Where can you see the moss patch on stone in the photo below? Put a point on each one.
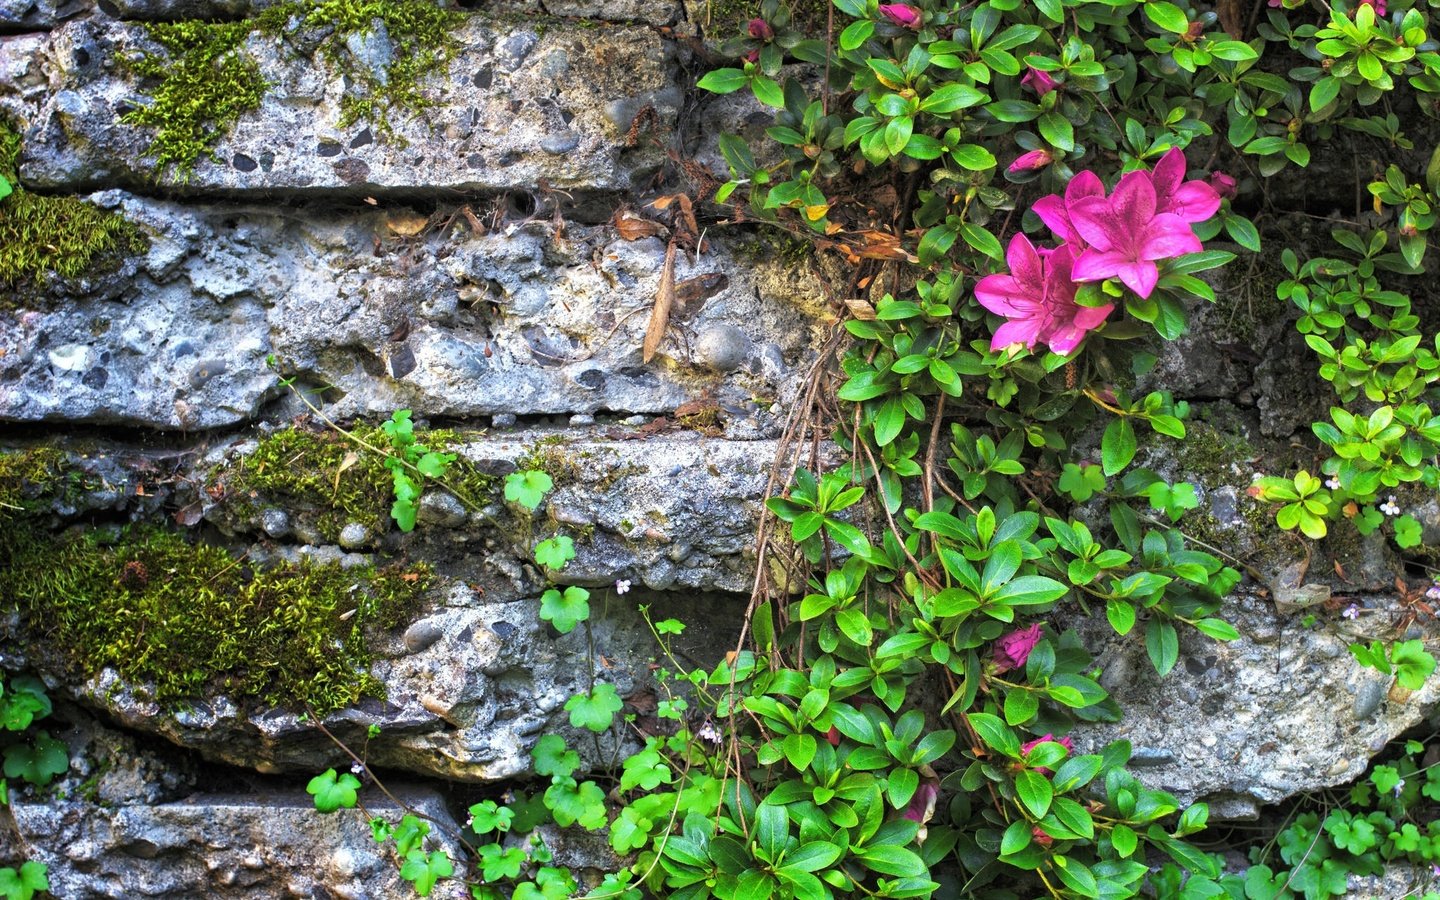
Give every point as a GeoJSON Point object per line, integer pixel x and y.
{"type": "Point", "coordinates": [193, 620]}
{"type": "Point", "coordinates": [206, 80]}
{"type": "Point", "coordinates": [63, 235]}
{"type": "Point", "coordinates": [324, 474]}
{"type": "Point", "coordinates": [28, 477]}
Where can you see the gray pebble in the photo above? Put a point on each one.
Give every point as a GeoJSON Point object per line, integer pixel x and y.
{"type": "Point", "coordinates": [441, 508]}
{"type": "Point", "coordinates": [422, 635]}
{"type": "Point", "coordinates": [722, 348]}
{"type": "Point", "coordinates": [354, 536]}
{"type": "Point", "coordinates": [275, 522]}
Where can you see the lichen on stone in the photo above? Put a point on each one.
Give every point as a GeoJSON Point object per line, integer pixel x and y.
{"type": "Point", "coordinates": [63, 235]}
{"type": "Point", "coordinates": [192, 620]}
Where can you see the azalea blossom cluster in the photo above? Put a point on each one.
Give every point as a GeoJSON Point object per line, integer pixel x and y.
{"type": "Point", "coordinates": [1145, 220]}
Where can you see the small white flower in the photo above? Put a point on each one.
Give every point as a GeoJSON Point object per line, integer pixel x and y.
{"type": "Point", "coordinates": [708, 732]}
{"type": "Point", "coordinates": [357, 769]}
{"type": "Point", "coordinates": [1389, 507]}
{"type": "Point", "coordinates": [1399, 786]}
{"type": "Point", "coordinates": [1351, 612]}
{"type": "Point", "coordinates": [1333, 484]}
{"type": "Point", "coordinates": [1434, 592]}
{"type": "Point", "coordinates": [622, 585]}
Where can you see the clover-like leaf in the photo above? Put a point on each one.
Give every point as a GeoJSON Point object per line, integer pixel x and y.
{"type": "Point", "coordinates": [424, 870]}
{"type": "Point", "coordinates": [38, 761]}
{"type": "Point", "coordinates": [333, 792]}
{"type": "Point", "coordinates": [528, 488]}
{"type": "Point", "coordinates": [565, 609]}
{"type": "Point", "coordinates": [24, 884]}
{"type": "Point", "coordinates": [555, 552]}
{"type": "Point", "coordinates": [553, 758]}
{"type": "Point", "coordinates": [595, 710]}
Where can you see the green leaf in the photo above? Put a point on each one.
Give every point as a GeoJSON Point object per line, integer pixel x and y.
{"type": "Point", "coordinates": [434, 465]}
{"type": "Point", "coordinates": [1218, 629]}
{"type": "Point", "coordinates": [723, 81]}
{"type": "Point", "coordinates": [1020, 706]}
{"type": "Point", "coordinates": [1035, 791]}
{"type": "Point", "coordinates": [1118, 445]}
{"type": "Point", "coordinates": [1121, 615]}
{"type": "Point", "coordinates": [1076, 772]}
{"type": "Point", "coordinates": [952, 97]}
{"type": "Point", "coordinates": [553, 553]}
{"type": "Point", "coordinates": [565, 610]}
{"type": "Point", "coordinates": [1123, 839]}
{"type": "Point", "coordinates": [423, 871]}
{"type": "Point", "coordinates": [527, 488]}
{"type": "Point", "coordinates": [889, 859]}
{"type": "Point", "coordinates": [551, 757]}
{"type": "Point", "coordinates": [331, 793]}
{"type": "Point", "coordinates": [767, 91]}
{"type": "Point", "coordinates": [24, 884]}
{"type": "Point", "coordinates": [1413, 664]}
{"type": "Point", "coordinates": [973, 157]}
{"type": "Point", "coordinates": [596, 710]}
{"type": "Point", "coordinates": [1163, 645]}
{"type": "Point", "coordinates": [1167, 16]}
{"type": "Point", "coordinates": [1030, 590]}
{"type": "Point", "coordinates": [5, 188]}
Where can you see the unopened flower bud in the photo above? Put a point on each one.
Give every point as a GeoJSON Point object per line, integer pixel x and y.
{"type": "Point", "coordinates": [1223, 184]}
{"type": "Point", "coordinates": [1039, 81]}
{"type": "Point", "coordinates": [1030, 162]}
{"type": "Point", "coordinates": [761, 30]}
{"type": "Point", "coordinates": [901, 14]}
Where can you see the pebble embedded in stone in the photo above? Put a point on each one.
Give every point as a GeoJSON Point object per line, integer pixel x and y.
{"type": "Point", "coordinates": [355, 536]}
{"type": "Point", "coordinates": [722, 348]}
{"type": "Point", "coordinates": [275, 522]}
{"type": "Point", "coordinates": [441, 508]}
{"type": "Point", "coordinates": [422, 635]}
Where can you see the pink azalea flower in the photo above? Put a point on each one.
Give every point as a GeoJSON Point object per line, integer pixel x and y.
{"type": "Point", "coordinates": [752, 57]}
{"type": "Point", "coordinates": [1040, 81]}
{"type": "Point", "coordinates": [922, 802]}
{"type": "Point", "coordinates": [1031, 745]}
{"type": "Point", "coordinates": [1013, 649]}
{"type": "Point", "coordinates": [1054, 210]}
{"type": "Point", "coordinates": [1193, 201]}
{"type": "Point", "coordinates": [1038, 299]}
{"type": "Point", "coordinates": [900, 14]}
{"type": "Point", "coordinates": [1379, 6]}
{"type": "Point", "coordinates": [761, 30]}
{"type": "Point", "coordinates": [1029, 162]}
{"type": "Point", "coordinates": [1126, 234]}
{"type": "Point", "coordinates": [1223, 184]}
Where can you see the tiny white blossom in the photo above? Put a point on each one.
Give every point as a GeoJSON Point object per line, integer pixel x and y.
{"type": "Point", "coordinates": [356, 768]}
{"type": "Point", "coordinates": [1351, 612]}
{"type": "Point", "coordinates": [622, 585]}
{"type": "Point", "coordinates": [1399, 786]}
{"type": "Point", "coordinates": [1434, 592]}
{"type": "Point", "coordinates": [708, 732]}
{"type": "Point", "coordinates": [1389, 507]}
{"type": "Point", "coordinates": [1333, 484]}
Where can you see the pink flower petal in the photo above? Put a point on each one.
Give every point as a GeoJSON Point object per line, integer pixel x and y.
{"type": "Point", "coordinates": [1167, 236]}
{"type": "Point", "coordinates": [1134, 198]}
{"type": "Point", "coordinates": [1193, 201]}
{"type": "Point", "coordinates": [1098, 265]}
{"type": "Point", "coordinates": [1053, 213]}
{"type": "Point", "coordinates": [1004, 295]}
{"type": "Point", "coordinates": [1017, 331]}
{"type": "Point", "coordinates": [1140, 277]}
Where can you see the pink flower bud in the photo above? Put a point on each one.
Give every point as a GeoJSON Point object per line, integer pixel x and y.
{"type": "Point", "coordinates": [901, 14]}
{"type": "Point", "coordinates": [1031, 745]}
{"type": "Point", "coordinates": [1039, 81]}
{"type": "Point", "coordinates": [1223, 184]}
{"type": "Point", "coordinates": [752, 57]}
{"type": "Point", "coordinates": [1013, 649]}
{"type": "Point", "coordinates": [761, 30]}
{"type": "Point", "coordinates": [1379, 6]}
{"type": "Point", "coordinates": [1032, 161]}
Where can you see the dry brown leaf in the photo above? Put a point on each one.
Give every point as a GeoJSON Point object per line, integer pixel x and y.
{"type": "Point", "coordinates": [664, 300]}
{"type": "Point", "coordinates": [633, 227]}
{"type": "Point", "coordinates": [406, 225]}
{"type": "Point", "coordinates": [861, 309]}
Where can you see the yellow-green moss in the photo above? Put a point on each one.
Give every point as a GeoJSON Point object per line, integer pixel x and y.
{"type": "Point", "coordinates": [207, 80]}
{"type": "Point", "coordinates": [27, 476]}
{"type": "Point", "coordinates": [194, 620]}
{"type": "Point", "coordinates": [64, 235]}
{"type": "Point", "coordinates": [324, 474]}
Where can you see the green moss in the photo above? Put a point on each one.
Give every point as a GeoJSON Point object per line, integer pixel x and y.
{"type": "Point", "coordinates": [194, 620]}
{"type": "Point", "coordinates": [326, 475]}
{"type": "Point", "coordinates": [64, 235]}
{"type": "Point", "coordinates": [207, 80]}
{"type": "Point", "coordinates": [318, 472]}
{"type": "Point", "coordinates": [206, 83]}
{"type": "Point", "coordinates": [549, 455]}
{"type": "Point", "coordinates": [28, 477]}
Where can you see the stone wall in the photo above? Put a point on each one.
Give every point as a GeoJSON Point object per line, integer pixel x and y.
{"type": "Point", "coordinates": [490, 263]}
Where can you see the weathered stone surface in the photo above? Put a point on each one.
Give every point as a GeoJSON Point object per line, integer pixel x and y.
{"type": "Point", "coordinates": [256, 844]}
{"type": "Point", "coordinates": [37, 14]}
{"type": "Point", "coordinates": [1283, 710]}
{"type": "Point", "coordinates": [528, 319]}
{"type": "Point", "coordinates": [515, 107]}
